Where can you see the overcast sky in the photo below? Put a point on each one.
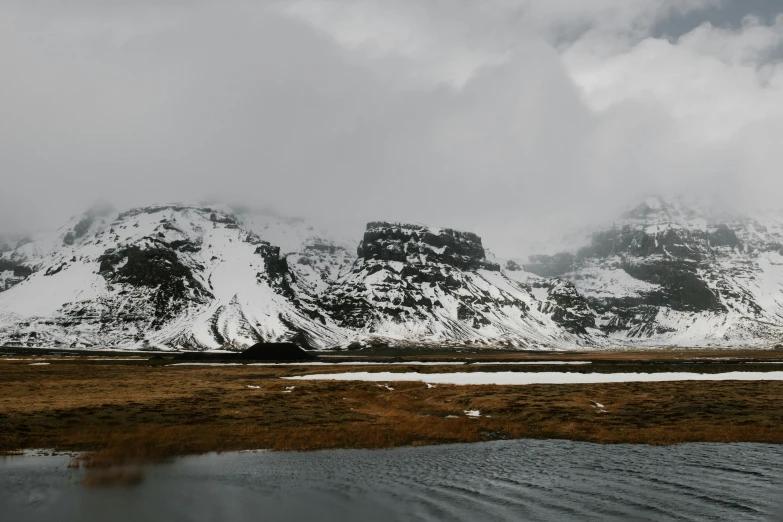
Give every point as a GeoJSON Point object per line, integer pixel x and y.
{"type": "Point", "coordinates": [510, 118]}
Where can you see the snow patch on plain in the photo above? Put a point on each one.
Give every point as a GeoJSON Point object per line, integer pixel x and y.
{"type": "Point", "coordinates": [517, 378]}
{"type": "Point", "coordinates": [524, 363]}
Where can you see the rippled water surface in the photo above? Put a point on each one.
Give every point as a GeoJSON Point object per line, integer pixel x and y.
{"type": "Point", "coordinates": [510, 480]}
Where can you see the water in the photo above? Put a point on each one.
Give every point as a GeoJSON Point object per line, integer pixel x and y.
{"type": "Point", "coordinates": [508, 480]}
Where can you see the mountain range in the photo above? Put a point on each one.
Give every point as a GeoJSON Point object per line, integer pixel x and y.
{"type": "Point", "coordinates": [665, 273]}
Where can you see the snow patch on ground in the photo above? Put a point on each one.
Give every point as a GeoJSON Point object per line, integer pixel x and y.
{"type": "Point", "coordinates": [524, 363]}
{"type": "Point", "coordinates": [517, 378]}
{"type": "Point", "coordinates": [363, 363]}
{"type": "Point", "coordinates": [205, 364]}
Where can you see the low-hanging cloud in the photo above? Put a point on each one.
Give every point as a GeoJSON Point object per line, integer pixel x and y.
{"type": "Point", "coordinates": [514, 119]}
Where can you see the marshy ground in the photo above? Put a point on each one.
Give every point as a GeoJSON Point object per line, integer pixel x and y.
{"type": "Point", "coordinates": [127, 409]}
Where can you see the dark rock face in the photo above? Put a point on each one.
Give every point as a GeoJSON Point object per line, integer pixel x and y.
{"type": "Point", "coordinates": [631, 316]}
{"type": "Point", "coordinates": [223, 218]}
{"type": "Point", "coordinates": [680, 243]}
{"type": "Point", "coordinates": [669, 259]}
{"type": "Point", "coordinates": [674, 254]}
{"type": "Point", "coordinates": [277, 273]}
{"type": "Point", "coordinates": [151, 267]}
{"type": "Point", "coordinates": [9, 264]}
{"type": "Point", "coordinates": [681, 287]}
{"type": "Point", "coordinates": [568, 307]}
{"type": "Point", "coordinates": [724, 236]}
{"type": "Point", "coordinates": [20, 272]}
{"type": "Point", "coordinates": [406, 272]}
{"type": "Point", "coordinates": [407, 243]}
{"type": "Point", "coordinates": [628, 240]}
{"type": "Point", "coordinates": [156, 268]}
{"type": "Point", "coordinates": [158, 208]}
{"type": "Point", "coordinates": [83, 226]}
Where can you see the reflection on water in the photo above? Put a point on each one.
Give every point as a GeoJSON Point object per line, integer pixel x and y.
{"type": "Point", "coordinates": [509, 480]}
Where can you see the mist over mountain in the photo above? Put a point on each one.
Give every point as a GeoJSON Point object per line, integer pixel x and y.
{"type": "Point", "coordinates": [516, 120]}
{"type": "Point", "coordinates": [200, 278]}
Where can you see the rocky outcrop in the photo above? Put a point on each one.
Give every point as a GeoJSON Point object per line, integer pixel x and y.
{"type": "Point", "coordinates": [567, 306]}
{"type": "Point", "coordinates": [418, 244]}
{"type": "Point", "coordinates": [170, 283]}
{"type": "Point", "coordinates": [428, 285]}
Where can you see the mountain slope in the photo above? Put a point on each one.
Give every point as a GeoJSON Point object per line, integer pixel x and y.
{"type": "Point", "coordinates": [668, 272]}
{"type": "Point", "coordinates": [172, 276]}
{"type": "Point", "coordinates": [187, 277]}
{"type": "Point", "coordinates": [424, 284]}
{"type": "Point", "coordinates": [206, 278]}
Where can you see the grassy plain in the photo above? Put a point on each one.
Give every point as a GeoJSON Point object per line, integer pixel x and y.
{"type": "Point", "coordinates": [124, 411]}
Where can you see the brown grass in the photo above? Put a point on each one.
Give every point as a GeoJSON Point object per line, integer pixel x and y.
{"type": "Point", "coordinates": [129, 414]}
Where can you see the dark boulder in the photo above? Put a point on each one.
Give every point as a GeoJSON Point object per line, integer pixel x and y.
{"type": "Point", "coordinates": [257, 352]}
{"type": "Point", "coordinates": [275, 352]}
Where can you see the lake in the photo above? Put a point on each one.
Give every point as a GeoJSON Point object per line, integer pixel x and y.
{"type": "Point", "coordinates": [504, 480]}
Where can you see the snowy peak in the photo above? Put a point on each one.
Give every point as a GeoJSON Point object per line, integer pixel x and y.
{"type": "Point", "coordinates": [174, 276]}
{"type": "Point", "coordinates": [681, 273]}
{"type": "Point", "coordinates": [677, 211]}
{"type": "Point", "coordinates": [89, 222]}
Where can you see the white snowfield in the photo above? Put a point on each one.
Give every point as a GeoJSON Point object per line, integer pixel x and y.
{"type": "Point", "coordinates": [531, 363]}
{"type": "Point", "coordinates": [369, 363]}
{"type": "Point", "coordinates": [520, 378]}
{"type": "Point", "coordinates": [358, 363]}
{"type": "Point", "coordinates": [363, 363]}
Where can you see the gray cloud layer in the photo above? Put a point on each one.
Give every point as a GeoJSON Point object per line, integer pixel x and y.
{"type": "Point", "coordinates": [509, 118]}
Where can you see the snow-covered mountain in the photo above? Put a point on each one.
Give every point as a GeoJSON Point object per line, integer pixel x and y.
{"type": "Point", "coordinates": [207, 278]}
{"type": "Point", "coordinates": [425, 284]}
{"type": "Point", "coordinates": [171, 276]}
{"type": "Point", "coordinates": [676, 273]}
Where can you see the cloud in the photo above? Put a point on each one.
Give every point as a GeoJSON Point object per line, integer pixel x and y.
{"type": "Point", "coordinates": [700, 109]}
{"type": "Point", "coordinates": [514, 119]}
